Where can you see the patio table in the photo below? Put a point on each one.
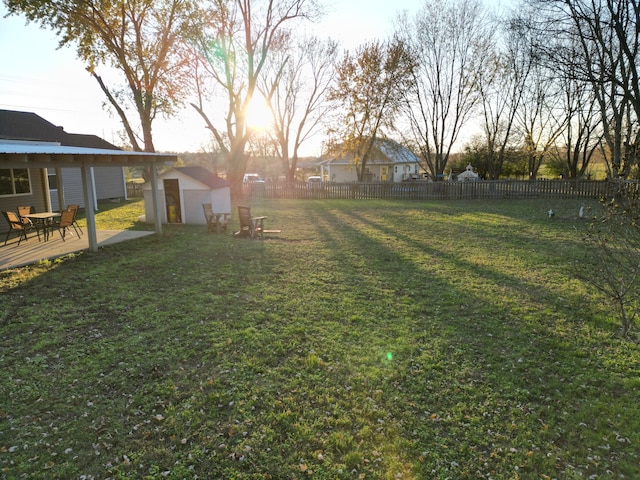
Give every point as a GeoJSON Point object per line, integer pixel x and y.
{"type": "Point", "coordinates": [43, 220]}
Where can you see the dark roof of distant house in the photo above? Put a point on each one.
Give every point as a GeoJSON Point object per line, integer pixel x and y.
{"type": "Point", "coordinates": [27, 126]}
{"type": "Point", "coordinates": [383, 150]}
{"type": "Point", "coordinates": [204, 176]}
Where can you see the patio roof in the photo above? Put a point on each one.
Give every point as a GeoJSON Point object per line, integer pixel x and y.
{"type": "Point", "coordinates": [18, 154]}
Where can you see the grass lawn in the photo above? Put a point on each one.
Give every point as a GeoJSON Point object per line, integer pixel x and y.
{"type": "Point", "coordinates": [368, 340]}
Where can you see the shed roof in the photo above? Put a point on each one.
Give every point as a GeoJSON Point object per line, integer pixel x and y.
{"type": "Point", "coordinates": [204, 176]}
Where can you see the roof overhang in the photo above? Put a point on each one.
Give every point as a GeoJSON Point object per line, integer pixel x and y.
{"type": "Point", "coordinates": [51, 155]}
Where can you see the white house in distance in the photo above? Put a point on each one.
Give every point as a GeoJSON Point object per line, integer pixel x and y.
{"type": "Point", "coordinates": [183, 190]}
{"type": "Point", "coordinates": [389, 162]}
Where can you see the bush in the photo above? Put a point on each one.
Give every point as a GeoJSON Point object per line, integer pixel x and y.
{"type": "Point", "coordinates": [612, 264]}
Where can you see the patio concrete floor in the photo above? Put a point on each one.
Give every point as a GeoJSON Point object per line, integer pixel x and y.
{"type": "Point", "coordinates": [31, 251]}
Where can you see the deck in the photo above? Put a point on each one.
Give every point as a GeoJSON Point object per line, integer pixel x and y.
{"type": "Point", "coordinates": [31, 251]}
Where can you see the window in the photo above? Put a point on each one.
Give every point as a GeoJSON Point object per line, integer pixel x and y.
{"type": "Point", "coordinates": [53, 184]}
{"type": "Point", "coordinates": [14, 181]}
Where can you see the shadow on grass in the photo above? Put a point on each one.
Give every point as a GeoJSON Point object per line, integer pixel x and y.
{"type": "Point", "coordinates": [370, 338]}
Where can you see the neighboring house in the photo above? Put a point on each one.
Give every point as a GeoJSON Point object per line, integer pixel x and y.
{"type": "Point", "coordinates": [183, 190]}
{"type": "Point", "coordinates": [109, 182]}
{"type": "Point", "coordinates": [388, 162]}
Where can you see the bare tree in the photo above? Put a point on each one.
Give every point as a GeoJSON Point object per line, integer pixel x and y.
{"type": "Point", "coordinates": [598, 42]}
{"type": "Point", "coordinates": [138, 38]}
{"type": "Point", "coordinates": [235, 46]}
{"type": "Point", "coordinates": [263, 155]}
{"type": "Point", "coordinates": [451, 40]}
{"type": "Point", "coordinates": [541, 118]}
{"type": "Point", "coordinates": [582, 135]}
{"type": "Point", "coordinates": [297, 88]}
{"type": "Point", "coordinates": [370, 85]}
{"type": "Point", "coordinates": [501, 86]}
{"type": "Point", "coordinates": [611, 263]}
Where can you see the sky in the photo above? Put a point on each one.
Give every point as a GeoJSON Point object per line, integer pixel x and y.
{"type": "Point", "coordinates": [37, 76]}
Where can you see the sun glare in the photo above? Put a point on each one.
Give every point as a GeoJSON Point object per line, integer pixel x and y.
{"type": "Point", "coordinates": [258, 113]}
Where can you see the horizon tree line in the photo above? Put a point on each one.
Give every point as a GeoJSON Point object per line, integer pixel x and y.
{"type": "Point", "coordinates": [554, 80]}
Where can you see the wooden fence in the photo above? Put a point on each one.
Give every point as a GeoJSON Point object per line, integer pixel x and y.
{"type": "Point", "coordinates": [498, 189]}
{"type": "Point", "coordinates": [135, 190]}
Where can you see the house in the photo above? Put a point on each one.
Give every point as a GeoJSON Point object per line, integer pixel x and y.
{"type": "Point", "coordinates": [183, 190]}
{"type": "Point", "coordinates": [18, 126]}
{"type": "Point", "coordinates": [388, 162]}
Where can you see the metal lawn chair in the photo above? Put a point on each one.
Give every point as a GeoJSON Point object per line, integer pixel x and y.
{"type": "Point", "coordinates": [16, 225]}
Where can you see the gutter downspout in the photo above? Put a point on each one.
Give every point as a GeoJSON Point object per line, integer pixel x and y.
{"type": "Point", "coordinates": [93, 187]}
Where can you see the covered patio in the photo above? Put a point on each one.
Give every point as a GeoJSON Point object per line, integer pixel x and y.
{"type": "Point", "coordinates": [39, 155]}
{"type": "Point", "coordinates": [32, 250]}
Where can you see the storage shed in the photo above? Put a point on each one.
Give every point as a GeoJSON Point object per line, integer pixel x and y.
{"type": "Point", "coordinates": [183, 190]}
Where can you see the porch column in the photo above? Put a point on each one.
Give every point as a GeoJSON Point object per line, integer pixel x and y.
{"type": "Point", "coordinates": [89, 199]}
{"type": "Point", "coordinates": [155, 194]}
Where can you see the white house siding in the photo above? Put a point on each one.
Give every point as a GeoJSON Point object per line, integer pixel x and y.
{"type": "Point", "coordinates": [337, 172]}
{"type": "Point", "coordinates": [73, 193]}
{"type": "Point", "coordinates": [342, 172]}
{"type": "Point", "coordinates": [391, 162]}
{"type": "Point", "coordinates": [404, 171]}
{"type": "Point", "coordinates": [109, 182]}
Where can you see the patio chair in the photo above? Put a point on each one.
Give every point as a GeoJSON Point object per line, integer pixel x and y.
{"type": "Point", "coordinates": [215, 221]}
{"type": "Point", "coordinates": [251, 226]}
{"type": "Point", "coordinates": [75, 225]}
{"type": "Point", "coordinates": [26, 210]}
{"type": "Point", "coordinates": [16, 225]}
{"type": "Point", "coordinates": [64, 223]}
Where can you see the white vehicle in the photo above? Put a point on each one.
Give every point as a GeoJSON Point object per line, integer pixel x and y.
{"type": "Point", "coordinates": [252, 178]}
{"type": "Point", "coordinates": [314, 179]}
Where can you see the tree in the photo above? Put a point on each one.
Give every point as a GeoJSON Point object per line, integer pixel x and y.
{"type": "Point", "coordinates": [297, 90]}
{"type": "Point", "coordinates": [234, 48]}
{"type": "Point", "coordinates": [581, 137]}
{"type": "Point", "coordinates": [139, 38]}
{"type": "Point", "coordinates": [540, 118]}
{"type": "Point", "coordinates": [451, 41]}
{"type": "Point", "coordinates": [501, 86]}
{"type": "Point", "coordinates": [370, 86]}
{"type": "Point", "coordinates": [598, 42]}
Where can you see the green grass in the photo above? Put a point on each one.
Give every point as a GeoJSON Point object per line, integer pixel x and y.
{"type": "Point", "coordinates": [371, 339]}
